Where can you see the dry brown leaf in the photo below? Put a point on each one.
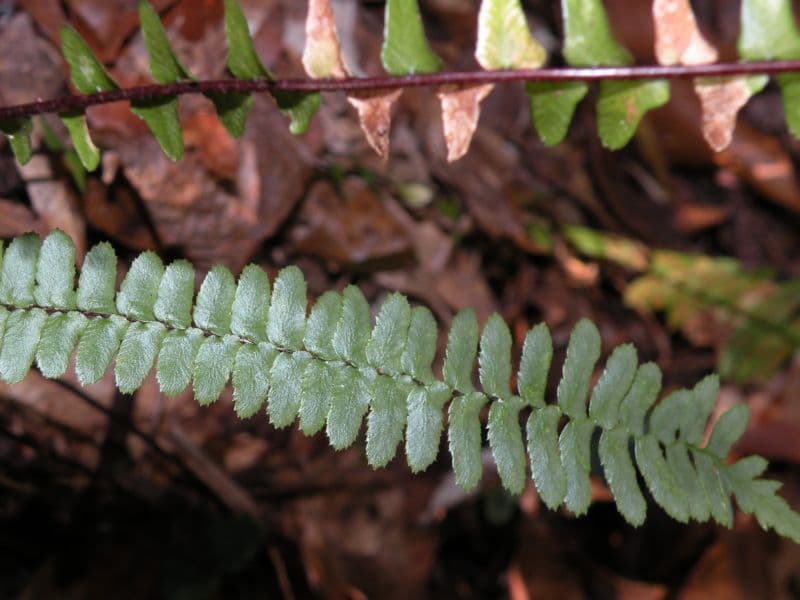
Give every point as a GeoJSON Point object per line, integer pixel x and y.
{"type": "Point", "coordinates": [375, 114]}
{"type": "Point", "coordinates": [461, 109]}
{"type": "Point", "coordinates": [721, 100]}
{"type": "Point", "coordinates": [678, 40]}
{"type": "Point", "coordinates": [322, 55]}
{"type": "Point", "coordinates": [322, 58]}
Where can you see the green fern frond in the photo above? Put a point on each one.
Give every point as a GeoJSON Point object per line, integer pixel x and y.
{"type": "Point", "coordinates": [331, 368]}
{"type": "Point", "coordinates": [767, 32]}
{"type": "Point", "coordinates": [761, 312]}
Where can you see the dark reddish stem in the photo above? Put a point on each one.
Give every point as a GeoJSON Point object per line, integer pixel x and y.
{"type": "Point", "coordinates": [80, 102]}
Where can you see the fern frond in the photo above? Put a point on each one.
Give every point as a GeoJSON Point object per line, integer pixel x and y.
{"type": "Point", "coordinates": [331, 368]}
{"type": "Point", "coordinates": [767, 33]}
{"type": "Point", "coordinates": [761, 312]}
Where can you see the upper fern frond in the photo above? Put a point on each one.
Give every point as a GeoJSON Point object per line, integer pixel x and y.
{"type": "Point", "coordinates": [504, 42]}
{"type": "Point", "coordinates": [331, 368]}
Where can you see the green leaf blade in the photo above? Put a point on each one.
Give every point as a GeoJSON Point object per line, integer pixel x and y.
{"type": "Point", "coordinates": [553, 106]}
{"type": "Point", "coordinates": [20, 339]}
{"type": "Point", "coordinates": [18, 274]}
{"type": "Point", "coordinates": [494, 359]}
{"type": "Point", "coordinates": [213, 308]}
{"type": "Point", "coordinates": [213, 364]}
{"type": "Point", "coordinates": [504, 40]}
{"type": "Point", "coordinates": [614, 383]}
{"type": "Point", "coordinates": [353, 329]}
{"type": "Point", "coordinates": [75, 122]}
{"type": "Point", "coordinates": [405, 50]}
{"type": "Point", "coordinates": [659, 478]}
{"type": "Point", "coordinates": [97, 281]}
{"type": "Point", "coordinates": [621, 475]}
{"type": "Point", "coordinates": [287, 312]}
{"type": "Point", "coordinates": [59, 336]}
{"type": "Point", "coordinates": [727, 431]}
{"type": "Point", "coordinates": [464, 439]}
{"type": "Point", "coordinates": [420, 347]}
{"type": "Point", "coordinates": [139, 290]}
{"type": "Point", "coordinates": [98, 345]}
{"type": "Point", "coordinates": [232, 110]}
{"type": "Point", "coordinates": [425, 425]}
{"type": "Point", "coordinates": [300, 107]}
{"type": "Point", "coordinates": [250, 308]}
{"type": "Point", "coordinates": [243, 60]}
{"type": "Point", "coordinates": [55, 272]}
{"type": "Point", "coordinates": [588, 40]}
{"type": "Point", "coordinates": [505, 440]}
{"type": "Point", "coordinates": [161, 117]}
{"type": "Point", "coordinates": [164, 65]}
{"type": "Point", "coordinates": [176, 360]}
{"type": "Point", "coordinates": [582, 354]}
{"type": "Point", "coordinates": [537, 355]}
{"type": "Point", "coordinates": [349, 403]}
{"type": "Point", "coordinates": [87, 73]}
{"type": "Point", "coordinates": [621, 106]}
{"type": "Point", "coordinates": [386, 420]}
{"type": "Point", "coordinates": [173, 304]}
{"type": "Point", "coordinates": [546, 468]}
{"type": "Point", "coordinates": [388, 340]}
{"type": "Point", "coordinates": [137, 352]}
{"type": "Point", "coordinates": [315, 403]}
{"type": "Point", "coordinates": [641, 396]}
{"type": "Point", "coordinates": [575, 446]}
{"type": "Point", "coordinates": [286, 389]}
{"type": "Point", "coordinates": [18, 132]}
{"type": "Point", "coordinates": [462, 347]}
{"type": "Point", "coordinates": [251, 369]}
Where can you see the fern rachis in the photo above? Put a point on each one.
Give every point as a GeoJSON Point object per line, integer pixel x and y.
{"type": "Point", "coordinates": [331, 368]}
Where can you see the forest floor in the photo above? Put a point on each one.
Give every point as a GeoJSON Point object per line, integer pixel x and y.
{"type": "Point", "coordinates": [104, 495]}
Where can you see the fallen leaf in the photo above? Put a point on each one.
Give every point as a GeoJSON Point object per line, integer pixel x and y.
{"type": "Point", "coordinates": [461, 109]}
{"type": "Point", "coordinates": [16, 219]}
{"type": "Point", "coordinates": [55, 206]}
{"type": "Point", "coordinates": [348, 229]}
{"type": "Point", "coordinates": [678, 40]}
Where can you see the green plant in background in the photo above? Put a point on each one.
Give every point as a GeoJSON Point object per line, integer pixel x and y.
{"type": "Point", "coordinates": [768, 32]}
{"type": "Point", "coordinates": [332, 367]}
{"type": "Point", "coordinates": [761, 314]}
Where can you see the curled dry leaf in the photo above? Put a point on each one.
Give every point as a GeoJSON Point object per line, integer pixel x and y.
{"type": "Point", "coordinates": [721, 100]}
{"type": "Point", "coordinates": [461, 108]}
{"type": "Point", "coordinates": [375, 115]}
{"type": "Point", "coordinates": [679, 41]}
{"type": "Point", "coordinates": [322, 55]}
{"type": "Point", "coordinates": [322, 58]}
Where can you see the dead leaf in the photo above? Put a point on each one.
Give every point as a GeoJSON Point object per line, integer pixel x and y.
{"type": "Point", "coordinates": [721, 100]}
{"type": "Point", "coordinates": [16, 219]}
{"type": "Point", "coordinates": [461, 109]}
{"type": "Point", "coordinates": [50, 198]}
{"type": "Point", "coordinates": [348, 229]}
{"type": "Point", "coordinates": [322, 58]}
{"type": "Point", "coordinates": [678, 40]}
{"type": "Point", "coordinates": [375, 114]}
{"type": "Point", "coordinates": [761, 161]}
{"type": "Point", "coordinates": [30, 67]}
{"type": "Point", "coordinates": [322, 55]}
